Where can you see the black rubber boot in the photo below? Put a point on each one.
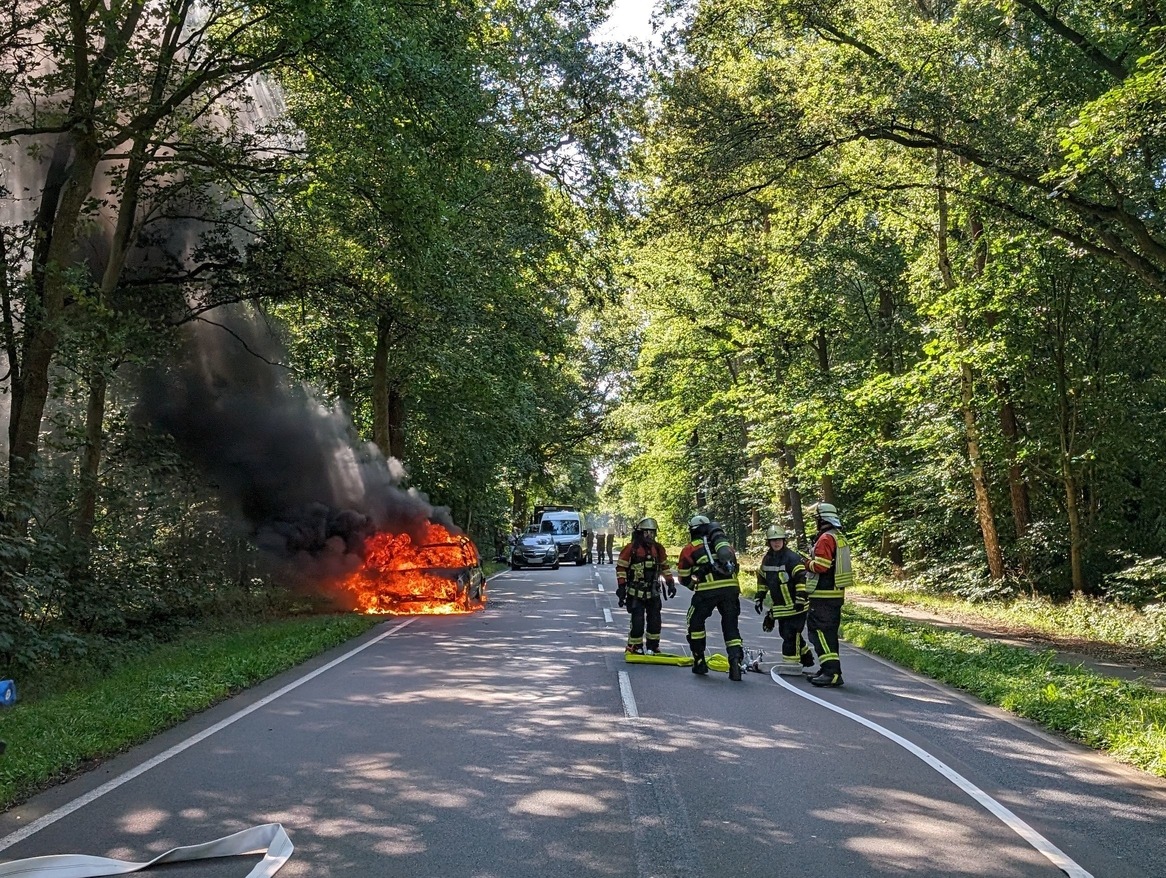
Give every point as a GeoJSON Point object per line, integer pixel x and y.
{"type": "Point", "coordinates": [735, 669]}
{"type": "Point", "coordinates": [825, 678]}
{"type": "Point", "coordinates": [699, 665]}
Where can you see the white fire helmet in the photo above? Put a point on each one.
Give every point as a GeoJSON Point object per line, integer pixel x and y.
{"type": "Point", "coordinates": [828, 513]}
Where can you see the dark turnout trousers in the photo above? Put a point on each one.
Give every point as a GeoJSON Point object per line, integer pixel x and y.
{"type": "Point", "coordinates": [727, 602]}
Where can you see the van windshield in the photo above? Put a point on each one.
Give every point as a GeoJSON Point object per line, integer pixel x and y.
{"type": "Point", "coordinates": [561, 526]}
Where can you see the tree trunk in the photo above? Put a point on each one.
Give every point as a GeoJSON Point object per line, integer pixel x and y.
{"type": "Point", "coordinates": [1076, 533]}
{"type": "Point", "coordinates": [98, 382]}
{"type": "Point", "coordinates": [1017, 484]}
{"type": "Point", "coordinates": [57, 222]}
{"type": "Point", "coordinates": [396, 423]}
{"type": "Point", "coordinates": [979, 482]}
{"type": "Point", "coordinates": [888, 547]}
{"type": "Point", "coordinates": [518, 509]}
{"type": "Point", "coordinates": [91, 458]}
{"type": "Point", "coordinates": [984, 512]}
{"type": "Point", "coordinates": [1067, 412]}
{"type": "Point", "coordinates": [793, 493]}
{"type": "Point", "coordinates": [9, 321]}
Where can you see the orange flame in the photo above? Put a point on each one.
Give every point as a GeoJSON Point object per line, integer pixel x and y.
{"type": "Point", "coordinates": [441, 575]}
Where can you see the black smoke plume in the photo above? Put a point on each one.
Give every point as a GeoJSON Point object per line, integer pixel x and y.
{"type": "Point", "coordinates": [290, 465]}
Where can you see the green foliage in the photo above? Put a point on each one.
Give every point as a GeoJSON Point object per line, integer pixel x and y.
{"type": "Point", "coordinates": [420, 196]}
{"type": "Point", "coordinates": [95, 709]}
{"type": "Point", "coordinates": [937, 304]}
{"type": "Point", "coordinates": [1127, 720]}
{"type": "Point", "coordinates": [1103, 623]}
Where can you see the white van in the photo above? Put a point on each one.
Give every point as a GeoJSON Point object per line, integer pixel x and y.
{"type": "Point", "coordinates": [565, 526]}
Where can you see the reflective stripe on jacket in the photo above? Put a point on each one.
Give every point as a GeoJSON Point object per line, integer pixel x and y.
{"type": "Point", "coordinates": [695, 569]}
{"type": "Point", "coordinates": [782, 577]}
{"type": "Point", "coordinates": [639, 568]}
{"type": "Point", "coordinates": [830, 560]}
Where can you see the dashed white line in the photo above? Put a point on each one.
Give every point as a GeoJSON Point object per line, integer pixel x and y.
{"type": "Point", "coordinates": [600, 586]}
{"type": "Point", "coordinates": [109, 786]}
{"type": "Point", "coordinates": [607, 615]}
{"type": "Point", "coordinates": [625, 692]}
{"type": "Point", "coordinates": [1046, 848]}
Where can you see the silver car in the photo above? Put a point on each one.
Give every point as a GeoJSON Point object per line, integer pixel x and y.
{"type": "Point", "coordinates": [534, 550]}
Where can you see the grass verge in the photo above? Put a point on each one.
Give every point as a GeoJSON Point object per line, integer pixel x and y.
{"type": "Point", "coordinates": [1138, 629]}
{"type": "Point", "coordinates": [62, 732]}
{"type": "Point", "coordinates": [1126, 720]}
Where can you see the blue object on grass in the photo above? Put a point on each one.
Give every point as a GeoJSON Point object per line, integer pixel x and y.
{"type": "Point", "coordinates": [7, 692]}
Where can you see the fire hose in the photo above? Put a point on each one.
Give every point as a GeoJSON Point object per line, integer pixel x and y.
{"type": "Point", "coordinates": [269, 839]}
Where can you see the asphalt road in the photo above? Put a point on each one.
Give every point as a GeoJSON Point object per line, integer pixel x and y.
{"type": "Point", "coordinates": [503, 745]}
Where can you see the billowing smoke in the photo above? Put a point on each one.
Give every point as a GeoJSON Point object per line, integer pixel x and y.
{"type": "Point", "coordinates": [289, 464]}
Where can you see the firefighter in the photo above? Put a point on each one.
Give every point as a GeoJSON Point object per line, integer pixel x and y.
{"type": "Point", "coordinates": [609, 544]}
{"type": "Point", "coordinates": [589, 535]}
{"type": "Point", "coordinates": [642, 564]}
{"type": "Point", "coordinates": [829, 574]}
{"type": "Point", "coordinates": [599, 545]}
{"type": "Point", "coordinates": [708, 566]}
{"type": "Point", "coordinates": [781, 595]}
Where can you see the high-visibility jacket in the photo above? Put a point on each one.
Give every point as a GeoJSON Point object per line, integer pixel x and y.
{"type": "Point", "coordinates": [695, 567]}
{"type": "Point", "coordinates": [829, 562]}
{"type": "Point", "coordinates": [639, 568]}
{"type": "Point", "coordinates": [782, 579]}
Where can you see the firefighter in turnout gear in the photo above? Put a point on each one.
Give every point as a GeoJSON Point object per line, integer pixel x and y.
{"type": "Point", "coordinates": [642, 564]}
{"type": "Point", "coordinates": [781, 595]}
{"type": "Point", "coordinates": [830, 573]}
{"type": "Point", "coordinates": [708, 566]}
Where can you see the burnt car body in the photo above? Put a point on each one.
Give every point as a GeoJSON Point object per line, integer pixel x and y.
{"type": "Point", "coordinates": [441, 575]}
{"type": "Point", "coordinates": [534, 550]}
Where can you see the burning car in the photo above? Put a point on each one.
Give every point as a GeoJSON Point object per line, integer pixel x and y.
{"type": "Point", "coordinates": [440, 573]}
{"type": "Point", "coordinates": [534, 550]}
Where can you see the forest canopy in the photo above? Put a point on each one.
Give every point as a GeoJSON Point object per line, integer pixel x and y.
{"type": "Point", "coordinates": [271, 265]}
{"type": "Point", "coordinates": [450, 260]}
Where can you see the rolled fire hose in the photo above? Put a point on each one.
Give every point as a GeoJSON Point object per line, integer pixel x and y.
{"type": "Point", "coordinates": [269, 839]}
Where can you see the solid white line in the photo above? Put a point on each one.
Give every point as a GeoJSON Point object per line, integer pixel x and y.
{"type": "Point", "coordinates": [1050, 851]}
{"type": "Point", "coordinates": [607, 615]}
{"type": "Point", "coordinates": [109, 786]}
{"type": "Point", "coordinates": [625, 692]}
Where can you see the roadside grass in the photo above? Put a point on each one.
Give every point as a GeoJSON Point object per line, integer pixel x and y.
{"type": "Point", "coordinates": [489, 568]}
{"type": "Point", "coordinates": [1090, 619]}
{"type": "Point", "coordinates": [64, 728]}
{"type": "Point", "coordinates": [1126, 720]}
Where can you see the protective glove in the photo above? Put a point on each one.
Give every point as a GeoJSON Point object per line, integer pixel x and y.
{"type": "Point", "coordinates": [671, 592]}
{"type": "Point", "coordinates": [621, 593]}
{"type": "Point", "coordinates": [759, 602]}
{"type": "Point", "coordinates": [767, 623]}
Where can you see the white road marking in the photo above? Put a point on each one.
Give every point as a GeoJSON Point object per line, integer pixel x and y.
{"type": "Point", "coordinates": [607, 615]}
{"type": "Point", "coordinates": [109, 786]}
{"type": "Point", "coordinates": [625, 692]}
{"type": "Point", "coordinates": [600, 586]}
{"type": "Point", "coordinates": [1046, 848]}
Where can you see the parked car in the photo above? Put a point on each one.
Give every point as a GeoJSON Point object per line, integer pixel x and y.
{"type": "Point", "coordinates": [534, 550]}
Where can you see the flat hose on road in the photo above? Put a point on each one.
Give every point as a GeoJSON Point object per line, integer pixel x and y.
{"type": "Point", "coordinates": [269, 839]}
